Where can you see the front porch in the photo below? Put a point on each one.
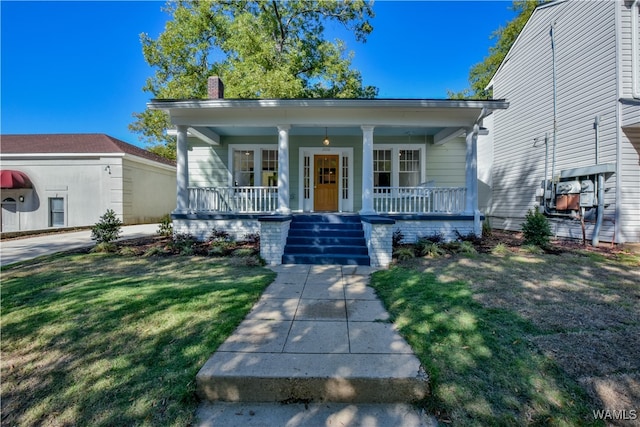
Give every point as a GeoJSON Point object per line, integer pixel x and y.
{"type": "Point", "coordinates": [246, 166]}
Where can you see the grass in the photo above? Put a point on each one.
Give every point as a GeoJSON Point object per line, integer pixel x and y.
{"type": "Point", "coordinates": [520, 339]}
{"type": "Point", "coordinates": [99, 339]}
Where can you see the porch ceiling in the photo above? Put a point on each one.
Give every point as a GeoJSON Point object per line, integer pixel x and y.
{"type": "Point", "coordinates": [320, 131]}
{"type": "Point", "coordinates": [390, 117]}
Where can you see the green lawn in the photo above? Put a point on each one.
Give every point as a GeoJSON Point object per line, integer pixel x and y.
{"type": "Point", "coordinates": [99, 340]}
{"type": "Point", "coordinates": [520, 339]}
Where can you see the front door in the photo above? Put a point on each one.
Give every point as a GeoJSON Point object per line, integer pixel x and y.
{"type": "Point", "coordinates": [325, 183]}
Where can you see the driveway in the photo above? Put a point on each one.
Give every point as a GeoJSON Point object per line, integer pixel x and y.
{"type": "Point", "coordinates": [31, 247]}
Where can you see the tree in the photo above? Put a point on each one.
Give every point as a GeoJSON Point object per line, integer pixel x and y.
{"type": "Point", "coordinates": [260, 49]}
{"type": "Point", "coordinates": [481, 73]}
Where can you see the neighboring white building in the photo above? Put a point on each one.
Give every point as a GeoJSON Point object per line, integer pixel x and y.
{"type": "Point", "coordinates": [70, 180]}
{"type": "Point", "coordinates": [572, 79]}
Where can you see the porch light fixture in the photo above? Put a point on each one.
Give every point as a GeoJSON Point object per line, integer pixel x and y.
{"type": "Point", "coordinates": [326, 141]}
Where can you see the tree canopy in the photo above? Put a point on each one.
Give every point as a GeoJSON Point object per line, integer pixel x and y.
{"type": "Point", "coordinates": [481, 73]}
{"type": "Point", "coordinates": [259, 48]}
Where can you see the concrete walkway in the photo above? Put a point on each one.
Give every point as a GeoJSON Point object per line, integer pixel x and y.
{"type": "Point", "coordinates": [320, 340]}
{"type": "Point", "coordinates": [22, 249]}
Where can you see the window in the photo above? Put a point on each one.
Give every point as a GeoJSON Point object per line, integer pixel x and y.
{"type": "Point", "coordinates": [270, 168]}
{"type": "Point", "coordinates": [307, 177]}
{"type": "Point", "coordinates": [243, 175]}
{"type": "Point", "coordinates": [382, 168]}
{"type": "Point", "coordinates": [409, 170]}
{"type": "Point", "coordinates": [345, 177]}
{"type": "Point", "coordinates": [56, 212]}
{"type": "Point", "coordinates": [398, 165]}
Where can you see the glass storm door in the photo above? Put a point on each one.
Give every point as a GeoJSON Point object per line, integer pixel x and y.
{"type": "Point", "coordinates": [325, 183]}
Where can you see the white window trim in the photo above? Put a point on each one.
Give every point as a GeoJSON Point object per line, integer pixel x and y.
{"type": "Point", "coordinates": [257, 160]}
{"type": "Point", "coordinates": [395, 160]}
{"type": "Point", "coordinates": [344, 205]}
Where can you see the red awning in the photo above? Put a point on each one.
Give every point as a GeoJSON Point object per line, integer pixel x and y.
{"type": "Point", "coordinates": [14, 179]}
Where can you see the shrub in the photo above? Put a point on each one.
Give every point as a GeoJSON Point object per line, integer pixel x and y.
{"type": "Point", "coordinates": [500, 249]}
{"type": "Point", "coordinates": [107, 229]}
{"type": "Point", "coordinates": [432, 250]}
{"type": "Point", "coordinates": [486, 227]}
{"type": "Point", "coordinates": [403, 254]}
{"type": "Point", "coordinates": [536, 229]}
{"type": "Point", "coordinates": [397, 238]}
{"type": "Point", "coordinates": [104, 247]}
{"type": "Point", "coordinates": [153, 251]}
{"type": "Point", "coordinates": [253, 238]}
{"type": "Point", "coordinates": [165, 228]}
{"type": "Point", "coordinates": [466, 247]}
{"type": "Point", "coordinates": [219, 236]}
{"type": "Point", "coordinates": [532, 249]}
{"type": "Point", "coordinates": [430, 246]}
{"type": "Point", "coordinates": [242, 252]}
{"type": "Point", "coordinates": [183, 243]}
{"type": "Point", "coordinates": [127, 251]}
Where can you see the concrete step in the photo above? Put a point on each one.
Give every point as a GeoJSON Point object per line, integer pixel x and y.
{"type": "Point", "coordinates": [325, 226]}
{"type": "Point", "coordinates": [296, 232]}
{"type": "Point", "coordinates": [333, 259]}
{"type": "Point", "coordinates": [278, 377]}
{"type": "Point", "coordinates": [329, 241]}
{"type": "Point", "coordinates": [325, 249]}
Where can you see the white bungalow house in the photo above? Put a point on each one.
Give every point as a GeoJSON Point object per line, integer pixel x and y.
{"type": "Point", "coordinates": [263, 166]}
{"type": "Point", "coordinates": [70, 180]}
{"type": "Point", "coordinates": [570, 141]}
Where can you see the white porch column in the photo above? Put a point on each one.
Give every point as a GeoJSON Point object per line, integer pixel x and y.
{"type": "Point", "coordinates": [283, 169]}
{"type": "Point", "coordinates": [182, 170]}
{"type": "Point", "coordinates": [471, 177]}
{"type": "Point", "coordinates": [367, 171]}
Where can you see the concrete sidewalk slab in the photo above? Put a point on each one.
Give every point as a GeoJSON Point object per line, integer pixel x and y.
{"type": "Point", "coordinates": [305, 340]}
{"type": "Point", "coordinates": [312, 415]}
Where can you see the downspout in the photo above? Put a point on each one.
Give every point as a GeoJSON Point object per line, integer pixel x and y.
{"type": "Point", "coordinates": [546, 170]}
{"type": "Point", "coordinates": [635, 60]}
{"type": "Point", "coordinates": [595, 239]}
{"type": "Point", "coordinates": [555, 115]}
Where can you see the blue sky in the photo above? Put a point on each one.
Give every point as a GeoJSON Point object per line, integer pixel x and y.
{"type": "Point", "coordinates": [76, 67]}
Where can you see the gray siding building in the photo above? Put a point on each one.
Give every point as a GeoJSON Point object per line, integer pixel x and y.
{"type": "Point", "coordinates": [570, 141]}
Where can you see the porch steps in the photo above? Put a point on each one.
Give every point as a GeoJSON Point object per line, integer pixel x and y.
{"type": "Point", "coordinates": [326, 239]}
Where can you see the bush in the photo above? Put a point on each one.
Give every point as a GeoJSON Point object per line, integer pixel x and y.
{"type": "Point", "coordinates": [403, 254]}
{"type": "Point", "coordinates": [219, 236]}
{"type": "Point", "coordinates": [183, 243]}
{"type": "Point", "coordinates": [128, 251]}
{"type": "Point", "coordinates": [397, 238]}
{"type": "Point", "coordinates": [430, 249]}
{"type": "Point", "coordinates": [253, 238]}
{"type": "Point", "coordinates": [536, 229]}
{"type": "Point", "coordinates": [107, 229]}
{"type": "Point", "coordinates": [500, 249]}
{"type": "Point", "coordinates": [104, 247]}
{"type": "Point", "coordinates": [165, 228]}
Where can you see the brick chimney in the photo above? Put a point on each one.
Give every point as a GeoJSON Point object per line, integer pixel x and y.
{"type": "Point", "coordinates": [215, 87]}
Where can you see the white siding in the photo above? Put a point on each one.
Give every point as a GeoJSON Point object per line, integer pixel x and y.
{"type": "Point", "coordinates": [630, 192]}
{"type": "Point", "coordinates": [585, 51]}
{"type": "Point", "coordinates": [149, 191]}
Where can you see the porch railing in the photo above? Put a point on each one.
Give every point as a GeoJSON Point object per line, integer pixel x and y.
{"type": "Point", "coordinates": [419, 199]}
{"type": "Point", "coordinates": [385, 199]}
{"type": "Point", "coordinates": [233, 199]}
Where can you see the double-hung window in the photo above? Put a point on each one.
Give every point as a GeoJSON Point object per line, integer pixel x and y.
{"type": "Point", "coordinates": [398, 167]}
{"type": "Point", "coordinates": [254, 166]}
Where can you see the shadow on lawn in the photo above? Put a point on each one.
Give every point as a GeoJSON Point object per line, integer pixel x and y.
{"type": "Point", "coordinates": [493, 333]}
{"type": "Point", "coordinates": [103, 340]}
